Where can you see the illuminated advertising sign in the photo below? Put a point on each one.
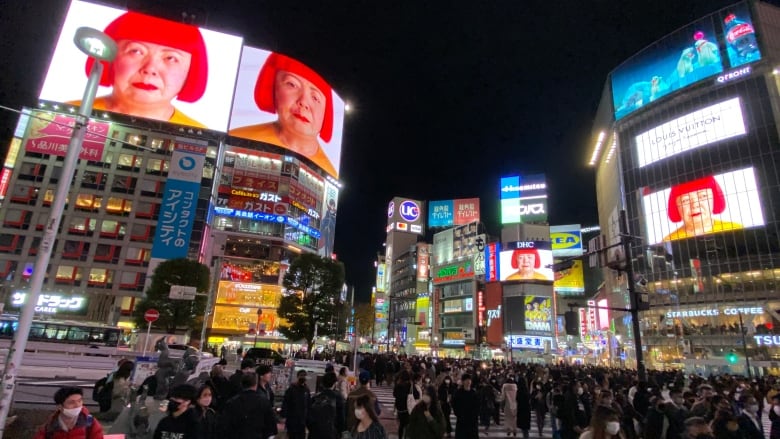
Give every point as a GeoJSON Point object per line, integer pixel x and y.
{"type": "Point", "coordinates": [702, 127]}
{"type": "Point", "coordinates": [538, 313]}
{"type": "Point", "coordinates": [423, 303]}
{"type": "Point", "coordinates": [380, 278]}
{"type": "Point", "coordinates": [704, 206]}
{"type": "Point", "coordinates": [406, 215]}
{"type": "Point", "coordinates": [243, 318]}
{"type": "Point", "coordinates": [453, 272]}
{"type": "Point", "coordinates": [673, 63]}
{"type": "Point", "coordinates": [715, 312]}
{"type": "Point", "coordinates": [328, 223]}
{"type": "Point", "coordinates": [466, 210]}
{"type": "Point", "coordinates": [423, 262]}
{"type": "Point", "coordinates": [249, 294]}
{"type": "Point", "coordinates": [523, 199]}
{"type": "Point", "coordinates": [479, 254]}
{"type": "Point", "coordinates": [767, 340]}
{"type": "Point", "coordinates": [529, 342]}
{"type": "Point", "coordinates": [179, 202]}
{"type": "Point", "coordinates": [492, 251]}
{"type": "Point", "coordinates": [495, 317]}
{"type": "Point", "coordinates": [281, 101]}
{"type": "Point", "coordinates": [52, 303]}
{"type": "Point", "coordinates": [441, 213]}
{"type": "Point", "coordinates": [50, 134]}
{"type": "Point", "coordinates": [480, 308]}
{"type": "Point", "coordinates": [603, 312]}
{"type": "Point", "coordinates": [571, 280]}
{"type": "Point", "coordinates": [734, 75]}
{"type": "Point", "coordinates": [194, 88]}
{"type": "Point", "coordinates": [269, 218]}
{"type": "Point", "coordinates": [739, 35]}
{"type": "Point", "coordinates": [566, 240]}
{"type": "Point", "coordinates": [531, 260]}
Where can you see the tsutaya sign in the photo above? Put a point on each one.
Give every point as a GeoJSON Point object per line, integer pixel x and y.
{"type": "Point", "coordinates": [51, 303]}
{"type": "Point", "coordinates": [714, 312]}
{"type": "Point", "coordinates": [767, 340]}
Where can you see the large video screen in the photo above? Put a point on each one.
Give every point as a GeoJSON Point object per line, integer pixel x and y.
{"type": "Point", "coordinates": [679, 60]}
{"type": "Point", "coordinates": [538, 313]}
{"type": "Point", "coordinates": [523, 199]}
{"type": "Point", "coordinates": [533, 261]}
{"type": "Point", "coordinates": [283, 102]}
{"type": "Point", "coordinates": [713, 204]}
{"type": "Point", "coordinates": [164, 70]}
{"type": "Point", "coordinates": [739, 35]}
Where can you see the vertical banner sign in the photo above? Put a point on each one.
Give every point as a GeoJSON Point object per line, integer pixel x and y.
{"type": "Point", "coordinates": [584, 326]}
{"type": "Point", "coordinates": [177, 213]}
{"type": "Point", "coordinates": [423, 262]}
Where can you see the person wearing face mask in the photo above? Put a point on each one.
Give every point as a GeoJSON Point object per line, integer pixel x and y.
{"type": "Point", "coordinates": [427, 419]}
{"type": "Point", "coordinates": [749, 421]}
{"type": "Point", "coordinates": [295, 406]}
{"type": "Point", "coordinates": [447, 389]}
{"type": "Point", "coordinates": [509, 396]}
{"type": "Point", "coordinates": [725, 425]}
{"type": "Point", "coordinates": [774, 417]}
{"type": "Point", "coordinates": [676, 412]}
{"type": "Point", "coordinates": [71, 419]}
{"type": "Point", "coordinates": [368, 426]}
{"type": "Point", "coordinates": [181, 421]}
{"type": "Point", "coordinates": [206, 415]}
{"type": "Point", "coordinates": [364, 379]}
{"type": "Point", "coordinates": [248, 414]}
{"type": "Point", "coordinates": [605, 424]}
{"type": "Point", "coordinates": [539, 404]}
{"type": "Point", "coordinates": [465, 404]}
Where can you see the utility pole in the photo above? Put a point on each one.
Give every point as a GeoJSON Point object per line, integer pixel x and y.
{"type": "Point", "coordinates": [626, 239]}
{"type": "Point", "coordinates": [744, 346]}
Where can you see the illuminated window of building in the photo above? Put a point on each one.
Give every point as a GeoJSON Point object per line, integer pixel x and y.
{"type": "Point", "coordinates": [135, 139]}
{"type": "Point", "coordinates": [48, 197]}
{"type": "Point", "coordinates": [137, 256]}
{"type": "Point", "coordinates": [88, 202]}
{"type": "Point", "coordinates": [119, 206]}
{"type": "Point", "coordinates": [157, 166]}
{"type": "Point", "coordinates": [112, 229]}
{"type": "Point", "coordinates": [13, 152]}
{"type": "Point", "coordinates": [93, 180]}
{"type": "Point", "coordinates": [100, 276]}
{"type": "Point", "coordinates": [82, 226]}
{"type": "Point", "coordinates": [68, 274]}
{"type": "Point", "coordinates": [160, 145]}
{"type": "Point", "coordinates": [129, 162]}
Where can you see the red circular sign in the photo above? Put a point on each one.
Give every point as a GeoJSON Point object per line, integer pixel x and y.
{"type": "Point", "coordinates": [151, 315]}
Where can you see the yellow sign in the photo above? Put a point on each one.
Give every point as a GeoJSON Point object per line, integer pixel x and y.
{"type": "Point", "coordinates": [249, 294]}
{"type": "Point", "coordinates": [570, 279]}
{"type": "Point", "coordinates": [244, 318]}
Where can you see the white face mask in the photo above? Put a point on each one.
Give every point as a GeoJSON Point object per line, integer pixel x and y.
{"type": "Point", "coordinates": [71, 413]}
{"type": "Point", "coordinates": [360, 413]}
{"type": "Point", "coordinates": [613, 428]}
{"type": "Point", "coordinates": [580, 391]}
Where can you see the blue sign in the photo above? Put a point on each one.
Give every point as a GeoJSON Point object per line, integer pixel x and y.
{"type": "Point", "coordinates": [673, 63]}
{"type": "Point", "coordinates": [409, 210]}
{"type": "Point", "coordinates": [739, 35]}
{"type": "Point", "coordinates": [268, 218]}
{"type": "Point", "coordinates": [510, 188]}
{"type": "Point", "coordinates": [441, 213]}
{"type": "Point", "coordinates": [528, 342]}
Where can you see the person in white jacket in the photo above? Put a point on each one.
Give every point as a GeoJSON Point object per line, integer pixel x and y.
{"type": "Point", "coordinates": [509, 396]}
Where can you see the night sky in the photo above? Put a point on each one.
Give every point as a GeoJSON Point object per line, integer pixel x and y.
{"type": "Point", "coordinates": [447, 96]}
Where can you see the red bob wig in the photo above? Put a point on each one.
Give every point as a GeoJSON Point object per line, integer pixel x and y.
{"type": "Point", "coordinates": [718, 199]}
{"type": "Point", "coordinates": [139, 27]}
{"type": "Point", "coordinates": [264, 88]}
{"type": "Point", "coordinates": [526, 251]}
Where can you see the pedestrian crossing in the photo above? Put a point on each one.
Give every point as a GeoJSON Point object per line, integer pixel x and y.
{"type": "Point", "coordinates": [385, 396]}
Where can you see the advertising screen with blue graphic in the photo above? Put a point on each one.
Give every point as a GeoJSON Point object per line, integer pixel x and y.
{"type": "Point", "coordinates": [673, 63]}
{"type": "Point", "coordinates": [739, 35]}
{"type": "Point", "coordinates": [523, 199]}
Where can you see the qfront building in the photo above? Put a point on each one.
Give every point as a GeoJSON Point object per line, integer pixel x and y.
{"type": "Point", "coordinates": [233, 163]}
{"type": "Point", "coordinates": [686, 143]}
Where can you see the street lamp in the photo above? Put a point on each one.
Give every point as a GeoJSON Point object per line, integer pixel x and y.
{"type": "Point", "coordinates": [102, 48]}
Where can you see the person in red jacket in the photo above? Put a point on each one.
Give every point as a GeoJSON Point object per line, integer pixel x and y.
{"type": "Point", "coordinates": [71, 420]}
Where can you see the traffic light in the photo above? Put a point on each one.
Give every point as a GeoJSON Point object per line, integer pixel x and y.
{"type": "Point", "coordinates": [731, 357]}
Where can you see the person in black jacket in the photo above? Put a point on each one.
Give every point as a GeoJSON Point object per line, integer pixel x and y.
{"type": "Point", "coordinates": [235, 379]}
{"type": "Point", "coordinates": [295, 407]}
{"type": "Point", "coordinates": [400, 392]}
{"type": "Point", "coordinates": [207, 417]}
{"type": "Point", "coordinates": [446, 390]}
{"type": "Point", "coordinates": [247, 415]}
{"type": "Point", "coordinates": [326, 418]}
{"type": "Point", "coordinates": [465, 403]}
{"type": "Point", "coordinates": [750, 421]}
{"type": "Point", "coordinates": [264, 375]}
{"type": "Point", "coordinates": [181, 422]}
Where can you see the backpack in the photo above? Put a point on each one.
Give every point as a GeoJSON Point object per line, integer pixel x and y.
{"type": "Point", "coordinates": [321, 419]}
{"type": "Point", "coordinates": [102, 393]}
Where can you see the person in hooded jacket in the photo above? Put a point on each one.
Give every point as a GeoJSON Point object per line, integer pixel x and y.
{"type": "Point", "coordinates": [181, 422]}
{"type": "Point", "coordinates": [446, 389]}
{"type": "Point", "coordinates": [71, 420]}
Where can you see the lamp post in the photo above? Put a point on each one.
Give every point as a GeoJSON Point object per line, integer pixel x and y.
{"type": "Point", "coordinates": [257, 326]}
{"type": "Point", "coordinates": [101, 47]}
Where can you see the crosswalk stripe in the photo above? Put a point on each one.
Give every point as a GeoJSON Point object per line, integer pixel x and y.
{"type": "Point", "coordinates": [385, 396]}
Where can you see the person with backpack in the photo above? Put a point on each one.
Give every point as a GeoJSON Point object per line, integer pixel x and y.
{"type": "Point", "coordinates": [295, 406]}
{"type": "Point", "coordinates": [247, 415]}
{"type": "Point", "coordinates": [326, 417]}
{"type": "Point", "coordinates": [71, 419]}
{"type": "Point", "coordinates": [181, 421]}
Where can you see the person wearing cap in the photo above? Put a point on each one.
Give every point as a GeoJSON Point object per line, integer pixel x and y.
{"type": "Point", "coordinates": [247, 366]}
{"type": "Point", "coordinates": [527, 262]}
{"type": "Point", "coordinates": [157, 61]}
{"type": "Point", "coordinates": [295, 406]}
{"type": "Point", "coordinates": [364, 388]}
{"type": "Point", "coordinates": [694, 202]}
{"type": "Point", "coordinates": [71, 419]}
{"type": "Point", "coordinates": [303, 102]}
{"type": "Point", "coordinates": [181, 421]}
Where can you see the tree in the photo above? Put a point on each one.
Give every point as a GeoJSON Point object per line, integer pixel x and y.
{"type": "Point", "coordinates": [175, 313]}
{"type": "Point", "coordinates": [313, 289]}
{"type": "Point", "coordinates": [365, 313]}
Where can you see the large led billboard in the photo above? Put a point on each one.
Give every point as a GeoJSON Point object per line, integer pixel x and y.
{"type": "Point", "coordinates": [523, 199]}
{"type": "Point", "coordinates": [699, 128]}
{"type": "Point", "coordinates": [566, 240]}
{"type": "Point", "coordinates": [164, 70]}
{"type": "Point", "coordinates": [446, 213]}
{"type": "Point", "coordinates": [739, 35]}
{"type": "Point", "coordinates": [712, 204]}
{"type": "Point", "coordinates": [281, 101]}
{"type": "Point", "coordinates": [521, 261]}
{"type": "Point", "coordinates": [675, 62]}
{"type": "Point", "coordinates": [328, 220]}
{"type": "Point", "coordinates": [538, 313]}
{"type": "Point", "coordinates": [570, 281]}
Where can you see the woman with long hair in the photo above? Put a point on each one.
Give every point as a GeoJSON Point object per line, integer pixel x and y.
{"type": "Point", "coordinates": [427, 419]}
{"type": "Point", "coordinates": [206, 414]}
{"type": "Point", "coordinates": [403, 388]}
{"type": "Point", "coordinates": [605, 424]}
{"type": "Point", "coordinates": [368, 426]}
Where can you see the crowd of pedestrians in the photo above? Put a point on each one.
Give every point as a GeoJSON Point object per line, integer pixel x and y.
{"type": "Point", "coordinates": [575, 402]}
